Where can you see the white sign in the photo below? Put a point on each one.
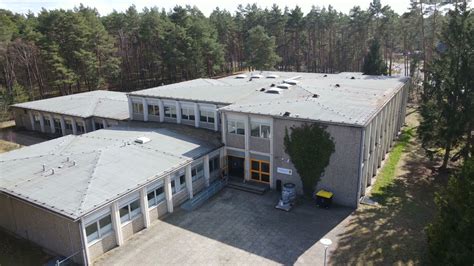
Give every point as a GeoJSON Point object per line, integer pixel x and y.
{"type": "Point", "coordinates": [285, 171]}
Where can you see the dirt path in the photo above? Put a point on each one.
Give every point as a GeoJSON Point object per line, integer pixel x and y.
{"type": "Point", "coordinates": [393, 233]}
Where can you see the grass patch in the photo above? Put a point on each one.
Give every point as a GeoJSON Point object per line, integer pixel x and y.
{"type": "Point", "coordinates": [387, 174]}
{"type": "Point", "coordinates": [6, 146]}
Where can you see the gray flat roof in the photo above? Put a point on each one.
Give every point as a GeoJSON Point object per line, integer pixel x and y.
{"type": "Point", "coordinates": [344, 98]}
{"type": "Point", "coordinates": [93, 169]}
{"type": "Point", "coordinates": [100, 103]}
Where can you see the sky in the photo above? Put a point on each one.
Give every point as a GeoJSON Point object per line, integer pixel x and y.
{"type": "Point", "coordinates": [206, 6]}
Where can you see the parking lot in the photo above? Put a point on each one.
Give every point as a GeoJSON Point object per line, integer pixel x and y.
{"type": "Point", "coordinates": [234, 227]}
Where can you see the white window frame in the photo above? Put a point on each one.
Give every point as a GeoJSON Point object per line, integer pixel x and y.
{"type": "Point", "coordinates": [197, 171]}
{"type": "Point", "coordinates": [187, 112]}
{"type": "Point", "coordinates": [207, 115]}
{"type": "Point", "coordinates": [157, 198]}
{"type": "Point", "coordinates": [172, 115]}
{"type": "Point", "coordinates": [154, 108]}
{"type": "Point", "coordinates": [68, 124]}
{"type": "Point", "coordinates": [233, 127]}
{"type": "Point", "coordinates": [259, 125]}
{"type": "Point", "coordinates": [212, 166]}
{"type": "Point", "coordinates": [137, 108]}
{"type": "Point", "coordinates": [131, 215]}
{"type": "Point", "coordinates": [176, 180]}
{"type": "Point", "coordinates": [80, 127]}
{"type": "Point", "coordinates": [101, 231]}
{"type": "Point", "coordinates": [58, 120]}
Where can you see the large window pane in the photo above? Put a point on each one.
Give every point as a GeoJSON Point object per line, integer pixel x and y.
{"type": "Point", "coordinates": [124, 214]}
{"type": "Point", "coordinates": [151, 198]}
{"type": "Point", "coordinates": [240, 128]}
{"type": "Point", "coordinates": [255, 165]}
{"type": "Point", "coordinates": [92, 232]}
{"type": "Point", "coordinates": [135, 208]}
{"type": "Point", "coordinates": [160, 194]}
{"type": "Point", "coordinates": [105, 225]}
{"type": "Point", "coordinates": [255, 130]}
{"type": "Point", "coordinates": [265, 131]}
{"type": "Point", "coordinates": [265, 167]}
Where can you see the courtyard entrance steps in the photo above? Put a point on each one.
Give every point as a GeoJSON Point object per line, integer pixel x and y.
{"type": "Point", "coordinates": [248, 186]}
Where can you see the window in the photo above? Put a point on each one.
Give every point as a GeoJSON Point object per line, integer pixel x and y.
{"type": "Point", "coordinates": [137, 108]}
{"type": "Point", "coordinates": [156, 196]}
{"type": "Point", "coordinates": [207, 117]}
{"type": "Point", "coordinates": [99, 228]}
{"type": "Point", "coordinates": [236, 127]}
{"type": "Point", "coordinates": [36, 118]}
{"type": "Point", "coordinates": [57, 125]}
{"type": "Point", "coordinates": [80, 127]}
{"type": "Point", "coordinates": [128, 212]}
{"type": "Point", "coordinates": [154, 110]}
{"type": "Point", "coordinates": [47, 123]}
{"type": "Point", "coordinates": [187, 113]}
{"type": "Point", "coordinates": [260, 171]}
{"type": "Point", "coordinates": [68, 125]}
{"type": "Point", "coordinates": [260, 130]}
{"type": "Point", "coordinates": [178, 183]}
{"type": "Point", "coordinates": [98, 125]}
{"type": "Point", "coordinates": [197, 172]}
{"type": "Point", "coordinates": [170, 111]}
{"type": "Point", "coordinates": [214, 163]}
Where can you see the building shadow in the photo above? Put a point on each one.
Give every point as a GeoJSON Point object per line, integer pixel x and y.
{"type": "Point", "coordinates": [251, 223]}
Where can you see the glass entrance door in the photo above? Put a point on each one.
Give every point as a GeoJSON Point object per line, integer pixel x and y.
{"type": "Point", "coordinates": [260, 171]}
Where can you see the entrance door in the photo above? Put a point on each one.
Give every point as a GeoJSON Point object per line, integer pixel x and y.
{"type": "Point", "coordinates": [260, 171]}
{"type": "Point", "coordinates": [235, 166]}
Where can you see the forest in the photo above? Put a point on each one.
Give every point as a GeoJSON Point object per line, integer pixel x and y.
{"type": "Point", "coordinates": [59, 52]}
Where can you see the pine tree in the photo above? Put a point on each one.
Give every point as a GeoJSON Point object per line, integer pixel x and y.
{"type": "Point", "coordinates": [261, 49]}
{"type": "Point", "coordinates": [373, 62]}
{"type": "Point", "coordinates": [448, 97]}
{"type": "Point", "coordinates": [450, 235]}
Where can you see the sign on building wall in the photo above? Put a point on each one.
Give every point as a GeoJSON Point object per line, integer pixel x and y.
{"type": "Point", "coordinates": [284, 171]}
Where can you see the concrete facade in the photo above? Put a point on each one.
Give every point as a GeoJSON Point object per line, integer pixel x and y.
{"type": "Point", "coordinates": [359, 150]}
{"type": "Point", "coordinates": [51, 231]}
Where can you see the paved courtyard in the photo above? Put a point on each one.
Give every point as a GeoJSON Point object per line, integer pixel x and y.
{"type": "Point", "coordinates": [234, 227]}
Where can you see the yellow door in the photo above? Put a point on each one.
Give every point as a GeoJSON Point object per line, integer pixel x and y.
{"type": "Point", "coordinates": [260, 171]}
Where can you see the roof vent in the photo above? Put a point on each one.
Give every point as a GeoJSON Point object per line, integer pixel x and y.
{"type": "Point", "coordinates": [325, 75]}
{"type": "Point", "coordinates": [274, 91]}
{"type": "Point", "coordinates": [353, 77]}
{"type": "Point", "coordinates": [291, 81]}
{"type": "Point", "coordinates": [337, 85]}
{"type": "Point", "coordinates": [272, 76]}
{"type": "Point", "coordinates": [142, 140]}
{"type": "Point", "coordinates": [256, 76]}
{"type": "Point", "coordinates": [286, 114]}
{"type": "Point", "coordinates": [241, 76]}
{"type": "Point", "coordinates": [262, 89]}
{"type": "Point", "coordinates": [315, 96]}
{"type": "Point", "coordinates": [284, 86]}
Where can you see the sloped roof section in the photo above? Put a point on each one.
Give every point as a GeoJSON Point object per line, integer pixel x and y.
{"type": "Point", "coordinates": [82, 173]}
{"type": "Point", "coordinates": [100, 103]}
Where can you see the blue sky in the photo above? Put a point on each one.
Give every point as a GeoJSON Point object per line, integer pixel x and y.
{"type": "Point", "coordinates": [206, 6]}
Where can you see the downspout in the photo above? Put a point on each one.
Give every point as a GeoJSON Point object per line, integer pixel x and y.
{"type": "Point", "coordinates": [361, 158]}
{"type": "Point", "coordinates": [85, 256]}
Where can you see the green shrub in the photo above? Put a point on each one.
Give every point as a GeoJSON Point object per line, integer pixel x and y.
{"type": "Point", "coordinates": [310, 148]}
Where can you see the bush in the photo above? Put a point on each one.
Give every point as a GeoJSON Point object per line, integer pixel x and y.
{"type": "Point", "coordinates": [310, 148]}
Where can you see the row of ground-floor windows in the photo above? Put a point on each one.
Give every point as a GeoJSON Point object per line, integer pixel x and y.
{"type": "Point", "coordinates": [97, 229]}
